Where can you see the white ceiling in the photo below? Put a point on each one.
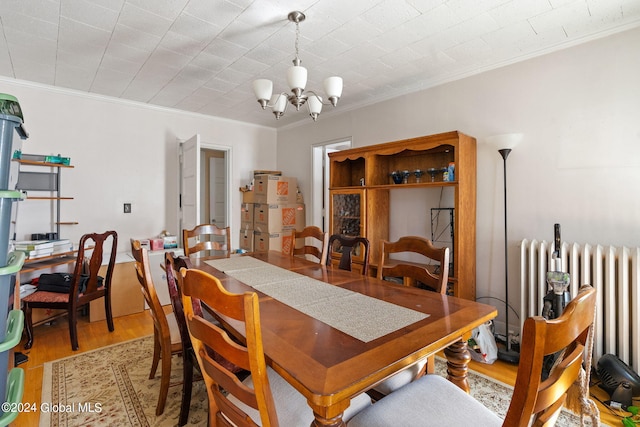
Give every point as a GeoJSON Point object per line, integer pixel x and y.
{"type": "Point", "coordinates": [202, 55]}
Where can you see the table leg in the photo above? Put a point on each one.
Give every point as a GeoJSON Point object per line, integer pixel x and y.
{"type": "Point", "coordinates": [328, 422]}
{"type": "Point", "coordinates": [458, 359]}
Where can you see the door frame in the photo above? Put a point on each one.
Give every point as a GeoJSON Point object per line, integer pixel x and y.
{"type": "Point", "coordinates": [228, 154]}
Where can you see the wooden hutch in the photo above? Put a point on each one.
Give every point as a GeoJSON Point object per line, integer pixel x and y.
{"type": "Point", "coordinates": [360, 186]}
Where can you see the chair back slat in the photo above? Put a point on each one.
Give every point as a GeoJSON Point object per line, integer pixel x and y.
{"type": "Point", "coordinates": [206, 337]}
{"type": "Point", "coordinates": [564, 339]}
{"type": "Point", "coordinates": [412, 273]}
{"type": "Point", "coordinates": [207, 239]}
{"type": "Point", "coordinates": [148, 289]}
{"type": "Point", "coordinates": [318, 249]}
{"type": "Point", "coordinates": [347, 246]}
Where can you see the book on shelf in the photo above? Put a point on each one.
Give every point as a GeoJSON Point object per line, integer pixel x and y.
{"type": "Point", "coordinates": [62, 245]}
{"type": "Point", "coordinates": [40, 253]}
{"type": "Point", "coordinates": [33, 245]}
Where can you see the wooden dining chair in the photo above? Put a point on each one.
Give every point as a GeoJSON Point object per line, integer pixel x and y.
{"type": "Point", "coordinates": [263, 398]}
{"type": "Point", "coordinates": [317, 248]}
{"type": "Point", "coordinates": [435, 279]}
{"type": "Point", "coordinates": [86, 285]}
{"type": "Point", "coordinates": [207, 239]}
{"type": "Point", "coordinates": [434, 401]}
{"type": "Point", "coordinates": [173, 264]}
{"type": "Point", "coordinates": [412, 274]}
{"type": "Point", "coordinates": [166, 335]}
{"type": "Point", "coordinates": [346, 246]}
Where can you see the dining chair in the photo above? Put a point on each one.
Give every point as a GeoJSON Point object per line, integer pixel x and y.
{"type": "Point", "coordinates": [86, 285]}
{"type": "Point", "coordinates": [207, 239]}
{"type": "Point", "coordinates": [264, 397]}
{"type": "Point", "coordinates": [435, 279]}
{"type": "Point", "coordinates": [316, 248]}
{"type": "Point", "coordinates": [166, 335]}
{"type": "Point", "coordinates": [434, 401]}
{"type": "Point", "coordinates": [346, 246]}
{"type": "Point", "coordinates": [417, 275]}
{"type": "Point", "coordinates": [173, 264]}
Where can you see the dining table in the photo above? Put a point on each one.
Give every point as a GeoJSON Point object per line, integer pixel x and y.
{"type": "Point", "coordinates": [333, 334]}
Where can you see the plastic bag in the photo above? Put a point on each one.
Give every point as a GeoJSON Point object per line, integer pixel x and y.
{"type": "Point", "coordinates": [482, 344]}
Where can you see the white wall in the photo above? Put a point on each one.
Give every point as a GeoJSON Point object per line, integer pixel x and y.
{"type": "Point", "coordinates": [124, 152]}
{"type": "Point", "coordinates": [578, 164]}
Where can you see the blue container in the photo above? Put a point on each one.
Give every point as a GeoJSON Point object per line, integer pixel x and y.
{"type": "Point", "coordinates": [11, 321]}
{"type": "Point", "coordinates": [7, 199]}
{"type": "Point", "coordinates": [7, 126]}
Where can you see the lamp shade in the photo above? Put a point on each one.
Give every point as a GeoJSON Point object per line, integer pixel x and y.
{"type": "Point", "coordinates": [333, 86]}
{"type": "Point", "coordinates": [263, 88]}
{"type": "Point", "coordinates": [279, 102]}
{"type": "Point", "coordinates": [505, 141]}
{"type": "Point", "coordinates": [315, 105]}
{"type": "Point", "coordinates": [297, 77]}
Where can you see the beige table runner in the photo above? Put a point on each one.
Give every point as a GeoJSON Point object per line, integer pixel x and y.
{"type": "Point", "coordinates": [360, 316]}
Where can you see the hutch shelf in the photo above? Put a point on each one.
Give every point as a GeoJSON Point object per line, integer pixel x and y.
{"type": "Point", "coordinates": [361, 182]}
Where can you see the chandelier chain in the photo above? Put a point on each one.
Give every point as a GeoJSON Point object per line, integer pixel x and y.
{"type": "Point", "coordinates": [297, 38]}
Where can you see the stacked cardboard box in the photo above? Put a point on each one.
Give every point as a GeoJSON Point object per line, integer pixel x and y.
{"type": "Point", "coordinates": [268, 223]}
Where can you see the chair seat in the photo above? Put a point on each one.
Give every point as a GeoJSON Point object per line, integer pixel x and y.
{"type": "Point", "coordinates": [50, 297]}
{"type": "Point", "coordinates": [291, 406]}
{"type": "Point", "coordinates": [46, 296]}
{"type": "Point", "coordinates": [401, 378]}
{"type": "Point", "coordinates": [445, 404]}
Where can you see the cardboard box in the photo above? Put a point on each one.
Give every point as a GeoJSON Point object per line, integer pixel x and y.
{"type": "Point", "coordinates": [248, 196]}
{"type": "Point", "coordinates": [273, 218]}
{"type": "Point", "coordinates": [246, 215]}
{"type": "Point", "coordinates": [273, 189]}
{"type": "Point", "coordinates": [264, 242]}
{"type": "Point", "coordinates": [246, 239]}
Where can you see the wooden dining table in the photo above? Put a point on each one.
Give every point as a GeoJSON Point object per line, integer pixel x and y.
{"type": "Point", "coordinates": [329, 366]}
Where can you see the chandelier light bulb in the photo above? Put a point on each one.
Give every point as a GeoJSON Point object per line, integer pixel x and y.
{"type": "Point", "coordinates": [297, 81]}
{"type": "Point", "coordinates": [279, 104]}
{"type": "Point", "coordinates": [333, 88]}
{"type": "Point", "coordinates": [315, 106]}
{"type": "Point", "coordinates": [263, 89]}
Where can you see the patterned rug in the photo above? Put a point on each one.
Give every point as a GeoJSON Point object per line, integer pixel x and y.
{"type": "Point", "coordinates": [114, 382]}
{"type": "Point", "coordinates": [110, 387]}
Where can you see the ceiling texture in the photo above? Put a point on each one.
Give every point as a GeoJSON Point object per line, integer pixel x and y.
{"type": "Point", "coordinates": [202, 55]}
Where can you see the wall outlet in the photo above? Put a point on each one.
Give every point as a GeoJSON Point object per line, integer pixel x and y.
{"type": "Point", "coordinates": [127, 208]}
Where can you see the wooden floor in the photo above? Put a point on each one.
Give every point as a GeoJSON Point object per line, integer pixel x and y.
{"type": "Point", "coordinates": [52, 342]}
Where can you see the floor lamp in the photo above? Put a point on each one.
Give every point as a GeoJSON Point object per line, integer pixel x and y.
{"type": "Point", "coordinates": [505, 143]}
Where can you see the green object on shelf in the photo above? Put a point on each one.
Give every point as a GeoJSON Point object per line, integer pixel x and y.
{"type": "Point", "coordinates": [15, 261]}
{"type": "Point", "coordinates": [58, 160]}
{"type": "Point", "coordinates": [9, 105]}
{"type": "Point", "coordinates": [15, 323]}
{"type": "Point", "coordinates": [15, 391]}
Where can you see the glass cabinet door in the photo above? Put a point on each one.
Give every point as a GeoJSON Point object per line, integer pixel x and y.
{"type": "Point", "coordinates": [347, 217]}
{"type": "Point", "coordinates": [346, 213]}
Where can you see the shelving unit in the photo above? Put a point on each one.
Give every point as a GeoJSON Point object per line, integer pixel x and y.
{"type": "Point", "coordinates": [373, 164]}
{"type": "Point", "coordinates": [41, 182]}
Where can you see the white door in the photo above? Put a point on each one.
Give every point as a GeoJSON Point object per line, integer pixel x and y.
{"type": "Point", "coordinates": [190, 183]}
{"type": "Point", "coordinates": [218, 194]}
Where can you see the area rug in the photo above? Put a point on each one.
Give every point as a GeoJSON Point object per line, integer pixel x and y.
{"type": "Point", "coordinates": [496, 395]}
{"type": "Point", "coordinates": [110, 387]}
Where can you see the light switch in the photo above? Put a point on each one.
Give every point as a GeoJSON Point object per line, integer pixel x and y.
{"type": "Point", "coordinates": [127, 208]}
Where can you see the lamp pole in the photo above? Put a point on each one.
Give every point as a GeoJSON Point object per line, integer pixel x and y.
{"type": "Point", "coordinates": [506, 354]}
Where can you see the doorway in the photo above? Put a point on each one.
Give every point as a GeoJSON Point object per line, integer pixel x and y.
{"type": "Point", "coordinates": [320, 179]}
{"type": "Point", "coordinates": [205, 175]}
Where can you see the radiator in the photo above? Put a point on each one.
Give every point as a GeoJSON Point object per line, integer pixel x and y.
{"type": "Point", "coordinates": [613, 271]}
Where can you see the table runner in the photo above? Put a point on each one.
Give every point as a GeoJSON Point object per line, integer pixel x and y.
{"type": "Point", "coordinates": [360, 316]}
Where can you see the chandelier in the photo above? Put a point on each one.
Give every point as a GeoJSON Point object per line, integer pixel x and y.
{"type": "Point", "coordinates": [297, 80]}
